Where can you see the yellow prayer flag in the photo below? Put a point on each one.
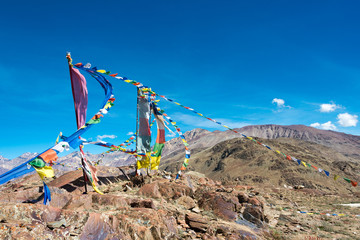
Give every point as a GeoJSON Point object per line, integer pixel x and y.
{"type": "Point", "coordinates": [336, 177]}
{"type": "Point", "coordinates": [45, 171]}
{"type": "Point", "coordinates": [304, 163]}
{"type": "Point", "coordinates": [101, 71]}
{"type": "Point", "coordinates": [143, 163]}
{"type": "Point", "coordinates": [155, 162]}
{"type": "Point", "coordinates": [96, 189]}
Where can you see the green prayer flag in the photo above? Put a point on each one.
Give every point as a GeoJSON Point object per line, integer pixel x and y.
{"type": "Point", "coordinates": [348, 180]}
{"type": "Point", "coordinates": [93, 121]}
{"type": "Point", "coordinates": [37, 162]}
{"type": "Point", "coordinates": [157, 149]}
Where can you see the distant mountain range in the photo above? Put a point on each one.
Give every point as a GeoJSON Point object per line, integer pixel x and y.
{"type": "Point", "coordinates": [335, 151]}
{"type": "Point", "coordinates": [348, 145]}
{"type": "Point", "coordinates": [227, 156]}
{"type": "Point", "coordinates": [7, 164]}
{"type": "Point", "coordinates": [71, 161]}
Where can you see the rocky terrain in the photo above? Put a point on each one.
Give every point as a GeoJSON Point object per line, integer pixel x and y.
{"type": "Point", "coordinates": [194, 207]}
{"type": "Point", "coordinates": [233, 189]}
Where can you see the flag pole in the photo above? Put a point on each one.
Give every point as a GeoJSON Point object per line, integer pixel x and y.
{"type": "Point", "coordinates": [137, 128]}
{"type": "Point", "coordinates": [68, 56]}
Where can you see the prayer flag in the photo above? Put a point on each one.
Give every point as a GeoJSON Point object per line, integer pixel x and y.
{"type": "Point", "coordinates": [45, 171]}
{"type": "Point", "coordinates": [354, 183]}
{"type": "Point", "coordinates": [80, 95]}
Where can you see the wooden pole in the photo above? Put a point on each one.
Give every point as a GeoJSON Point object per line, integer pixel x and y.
{"type": "Point", "coordinates": [84, 176]}
{"type": "Point", "coordinates": [137, 127]}
{"type": "Point", "coordinates": [149, 121]}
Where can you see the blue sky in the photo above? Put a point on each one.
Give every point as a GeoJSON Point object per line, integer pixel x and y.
{"type": "Point", "coordinates": [240, 62]}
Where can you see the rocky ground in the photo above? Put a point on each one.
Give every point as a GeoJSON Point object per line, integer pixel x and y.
{"type": "Point", "coordinates": [194, 207]}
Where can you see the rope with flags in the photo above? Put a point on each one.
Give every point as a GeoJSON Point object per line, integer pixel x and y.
{"type": "Point", "coordinates": [288, 157]}
{"type": "Point", "coordinates": [42, 163]}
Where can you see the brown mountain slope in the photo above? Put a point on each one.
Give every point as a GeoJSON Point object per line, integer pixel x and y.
{"type": "Point", "coordinates": [249, 163]}
{"type": "Point", "coordinates": [348, 145]}
{"type": "Point", "coordinates": [344, 143]}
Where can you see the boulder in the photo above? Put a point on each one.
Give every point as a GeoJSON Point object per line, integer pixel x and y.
{"type": "Point", "coordinates": [196, 222]}
{"type": "Point", "coordinates": [243, 197]}
{"type": "Point", "coordinates": [221, 206]}
{"type": "Point", "coordinates": [109, 200]}
{"type": "Point", "coordinates": [256, 202]}
{"type": "Point", "coordinates": [142, 203]}
{"type": "Point", "coordinates": [166, 189]}
{"type": "Point", "coordinates": [95, 228]}
{"type": "Point", "coordinates": [172, 190]}
{"type": "Point", "coordinates": [150, 190]}
{"type": "Point", "coordinates": [254, 214]}
{"type": "Point", "coordinates": [187, 202]}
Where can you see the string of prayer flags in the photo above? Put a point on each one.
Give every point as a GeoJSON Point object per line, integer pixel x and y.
{"type": "Point", "coordinates": [50, 155]}
{"type": "Point", "coordinates": [328, 214]}
{"type": "Point", "coordinates": [141, 86]}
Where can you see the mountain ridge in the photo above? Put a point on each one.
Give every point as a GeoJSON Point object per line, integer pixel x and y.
{"type": "Point", "coordinates": [200, 139]}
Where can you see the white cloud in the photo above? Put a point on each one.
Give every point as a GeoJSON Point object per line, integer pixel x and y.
{"type": "Point", "coordinates": [347, 120]}
{"type": "Point", "coordinates": [326, 126]}
{"type": "Point", "coordinates": [101, 137]}
{"type": "Point", "coordinates": [329, 107]}
{"type": "Point", "coordinates": [280, 103]}
{"type": "Point", "coordinates": [130, 133]}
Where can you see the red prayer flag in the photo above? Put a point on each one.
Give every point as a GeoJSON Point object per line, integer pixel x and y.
{"type": "Point", "coordinates": [80, 95]}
